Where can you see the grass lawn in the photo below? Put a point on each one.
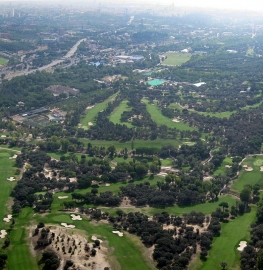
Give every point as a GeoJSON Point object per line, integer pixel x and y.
{"type": "Point", "coordinates": [3, 61]}
{"type": "Point", "coordinates": [252, 178]}
{"type": "Point", "coordinates": [163, 120]}
{"type": "Point", "coordinates": [225, 247]}
{"type": "Point", "coordinates": [218, 115]}
{"type": "Point", "coordinates": [176, 59]}
{"type": "Point", "coordinates": [58, 154]}
{"type": "Point", "coordinates": [19, 255]}
{"type": "Point", "coordinates": [159, 143]}
{"type": "Point", "coordinates": [7, 169]}
{"type": "Point", "coordinates": [167, 162]}
{"type": "Point", "coordinates": [206, 208]}
{"type": "Point", "coordinates": [92, 113]}
{"type": "Point", "coordinates": [115, 116]}
{"type": "Point", "coordinates": [222, 168]}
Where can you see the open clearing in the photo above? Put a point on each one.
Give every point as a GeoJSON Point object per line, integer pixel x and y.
{"type": "Point", "coordinates": [252, 177]}
{"type": "Point", "coordinates": [176, 59]}
{"type": "Point", "coordinates": [163, 120]}
{"type": "Point", "coordinates": [116, 114]}
{"type": "Point", "coordinates": [225, 247]}
{"type": "Point", "coordinates": [93, 112]}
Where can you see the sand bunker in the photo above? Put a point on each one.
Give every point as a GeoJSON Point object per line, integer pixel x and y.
{"type": "Point", "coordinates": [119, 233]}
{"type": "Point", "coordinates": [8, 218]}
{"type": "Point", "coordinates": [3, 136]}
{"type": "Point", "coordinates": [13, 157]}
{"type": "Point", "coordinates": [228, 166]}
{"type": "Point", "coordinates": [62, 197]}
{"type": "Point", "coordinates": [95, 238]}
{"type": "Point", "coordinates": [244, 166]}
{"type": "Point", "coordinates": [90, 123]}
{"type": "Point", "coordinates": [11, 179]}
{"type": "Point", "coordinates": [107, 185]}
{"type": "Point", "coordinates": [89, 107]}
{"type": "Point", "coordinates": [76, 217]}
{"type": "Point", "coordinates": [3, 234]}
{"type": "Point", "coordinates": [242, 245]}
{"type": "Point", "coordinates": [249, 169]}
{"type": "Point", "coordinates": [68, 226]}
{"type": "Point", "coordinates": [176, 120]}
{"type": "Point", "coordinates": [261, 168]}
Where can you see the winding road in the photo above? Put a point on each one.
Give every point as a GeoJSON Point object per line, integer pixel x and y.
{"type": "Point", "coordinates": [69, 54]}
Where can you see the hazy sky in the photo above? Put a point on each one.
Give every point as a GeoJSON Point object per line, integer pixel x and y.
{"type": "Point", "coordinates": [254, 5]}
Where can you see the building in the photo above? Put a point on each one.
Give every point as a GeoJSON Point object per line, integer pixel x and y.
{"type": "Point", "coordinates": [56, 90]}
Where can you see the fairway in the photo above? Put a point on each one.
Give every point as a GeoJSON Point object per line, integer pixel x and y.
{"type": "Point", "coordinates": [159, 143]}
{"type": "Point", "coordinates": [7, 169]}
{"type": "Point", "coordinates": [115, 116]}
{"type": "Point", "coordinates": [251, 178]}
{"type": "Point", "coordinates": [163, 120]}
{"type": "Point", "coordinates": [224, 247]}
{"type": "Point", "coordinates": [222, 169]}
{"type": "Point", "coordinates": [176, 59]}
{"type": "Point", "coordinates": [3, 61]}
{"type": "Point", "coordinates": [92, 113]}
{"type": "Point", "coordinates": [206, 208]}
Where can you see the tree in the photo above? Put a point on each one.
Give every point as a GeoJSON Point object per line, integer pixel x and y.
{"type": "Point", "coordinates": [245, 195]}
{"type": "Point", "coordinates": [260, 260]}
{"type": "Point", "coordinates": [224, 205]}
{"type": "Point", "coordinates": [112, 150]}
{"type": "Point", "coordinates": [223, 265]}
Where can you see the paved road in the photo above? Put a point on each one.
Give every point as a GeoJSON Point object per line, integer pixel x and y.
{"type": "Point", "coordinates": [70, 53]}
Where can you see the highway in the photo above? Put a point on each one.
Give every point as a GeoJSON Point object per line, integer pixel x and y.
{"type": "Point", "coordinates": [69, 54]}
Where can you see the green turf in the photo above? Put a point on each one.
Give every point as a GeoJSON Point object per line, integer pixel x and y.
{"type": "Point", "coordinates": [58, 154]}
{"type": "Point", "coordinates": [167, 162]}
{"type": "Point", "coordinates": [159, 143]}
{"type": "Point", "coordinates": [224, 248]}
{"type": "Point", "coordinates": [19, 255]}
{"type": "Point", "coordinates": [115, 116]}
{"type": "Point", "coordinates": [156, 82]}
{"type": "Point", "coordinates": [251, 178]}
{"type": "Point", "coordinates": [218, 115]}
{"type": "Point", "coordinates": [7, 169]}
{"type": "Point", "coordinates": [176, 59]}
{"type": "Point", "coordinates": [92, 113]}
{"type": "Point", "coordinates": [163, 120]}
{"type": "Point", "coordinates": [3, 61]}
{"type": "Point", "coordinates": [206, 208]}
{"type": "Point", "coordinates": [222, 169]}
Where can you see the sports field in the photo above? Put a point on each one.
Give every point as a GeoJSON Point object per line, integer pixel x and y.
{"type": "Point", "coordinates": [176, 59]}
{"type": "Point", "coordinates": [93, 112]}
{"type": "Point", "coordinates": [115, 116]}
{"type": "Point", "coordinates": [156, 82]}
{"type": "Point", "coordinates": [163, 120]}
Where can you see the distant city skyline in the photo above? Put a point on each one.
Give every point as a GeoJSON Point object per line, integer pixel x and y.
{"type": "Point", "coordinates": [252, 5]}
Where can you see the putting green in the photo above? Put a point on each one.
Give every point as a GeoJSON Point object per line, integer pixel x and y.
{"type": "Point", "coordinates": [258, 162]}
